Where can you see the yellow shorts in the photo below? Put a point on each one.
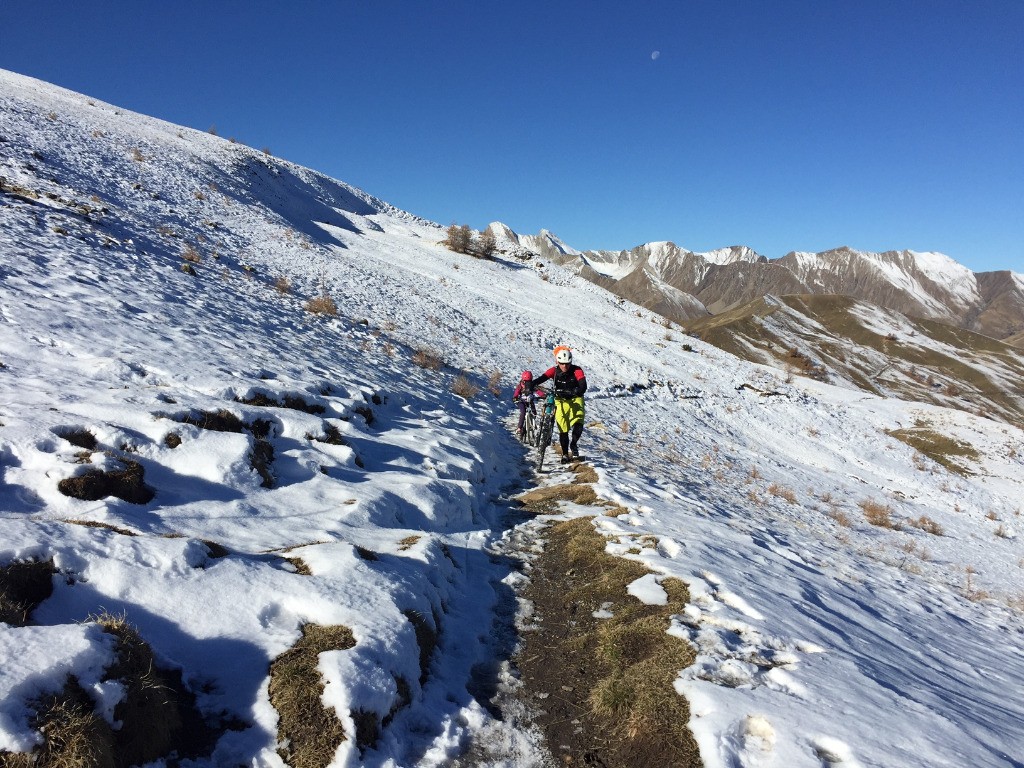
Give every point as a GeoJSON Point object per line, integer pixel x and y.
{"type": "Point", "coordinates": [568, 413]}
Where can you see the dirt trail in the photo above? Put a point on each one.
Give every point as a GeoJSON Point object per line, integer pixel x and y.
{"type": "Point", "coordinates": [600, 689]}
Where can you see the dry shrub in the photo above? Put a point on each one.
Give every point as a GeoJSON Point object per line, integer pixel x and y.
{"type": "Point", "coordinates": [970, 591]}
{"type": "Point", "coordinates": [927, 525]}
{"type": "Point", "coordinates": [283, 285]}
{"type": "Point", "coordinates": [428, 359]}
{"type": "Point", "coordinates": [494, 384]}
{"type": "Point", "coordinates": [878, 514]}
{"type": "Point", "coordinates": [464, 388]}
{"type": "Point", "coordinates": [322, 305]}
{"type": "Point", "coordinates": [407, 542]}
{"type": "Point", "coordinates": [309, 733]}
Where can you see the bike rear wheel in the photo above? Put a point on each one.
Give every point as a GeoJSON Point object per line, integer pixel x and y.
{"type": "Point", "coordinates": [530, 429]}
{"type": "Point", "coordinates": [544, 438]}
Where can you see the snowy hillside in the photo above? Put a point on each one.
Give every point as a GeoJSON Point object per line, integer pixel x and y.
{"type": "Point", "coordinates": [854, 602]}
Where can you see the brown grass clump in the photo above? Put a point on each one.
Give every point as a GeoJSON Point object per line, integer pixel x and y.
{"type": "Point", "coordinates": [157, 715]}
{"type": "Point", "coordinates": [407, 542]}
{"type": "Point", "coordinates": [80, 438]}
{"type": "Point", "coordinates": [23, 586]}
{"type": "Point", "coordinates": [783, 493]}
{"type": "Point", "coordinates": [428, 359]}
{"type": "Point", "coordinates": [464, 388]}
{"type": "Point", "coordinates": [149, 710]}
{"type": "Point", "coordinates": [191, 255]}
{"type": "Point", "coordinates": [74, 735]}
{"type": "Point", "coordinates": [308, 732]}
{"type": "Point", "coordinates": [126, 484]}
{"type": "Point", "coordinates": [927, 525]}
{"type": "Point", "coordinates": [841, 518]}
{"type": "Point", "coordinates": [619, 706]}
{"type": "Point", "coordinates": [217, 421]}
{"type": "Point", "coordinates": [878, 514]}
{"type": "Point", "coordinates": [544, 501]}
{"type": "Point", "coordinates": [283, 285]}
{"type": "Point", "coordinates": [322, 305]}
{"type": "Point", "coordinates": [494, 384]}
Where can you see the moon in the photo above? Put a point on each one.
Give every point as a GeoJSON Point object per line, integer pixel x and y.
{"type": "Point", "coordinates": [655, 55]}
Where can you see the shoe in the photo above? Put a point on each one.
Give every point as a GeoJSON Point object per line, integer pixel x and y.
{"type": "Point", "coordinates": [574, 456]}
{"type": "Point", "coordinates": [565, 458]}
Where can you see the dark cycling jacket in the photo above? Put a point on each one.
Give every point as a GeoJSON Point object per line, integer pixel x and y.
{"type": "Point", "coordinates": [571, 382]}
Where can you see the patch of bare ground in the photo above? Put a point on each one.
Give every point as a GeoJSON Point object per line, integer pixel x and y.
{"type": "Point", "coordinates": [23, 586]}
{"type": "Point", "coordinates": [127, 484]}
{"type": "Point", "coordinates": [308, 732]}
{"type": "Point", "coordinates": [602, 688]}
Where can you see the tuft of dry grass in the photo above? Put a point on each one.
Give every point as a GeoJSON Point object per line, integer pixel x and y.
{"type": "Point", "coordinates": [308, 732]}
{"type": "Point", "coordinates": [407, 542]}
{"type": "Point", "coordinates": [322, 305]}
{"type": "Point", "coordinates": [283, 285]}
{"type": "Point", "coordinates": [105, 526]}
{"type": "Point", "coordinates": [463, 387]}
{"type": "Point", "coordinates": [878, 514]}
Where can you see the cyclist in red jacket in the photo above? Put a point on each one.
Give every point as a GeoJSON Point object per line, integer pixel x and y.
{"type": "Point", "coordinates": [569, 383]}
{"type": "Point", "coordinates": [523, 397]}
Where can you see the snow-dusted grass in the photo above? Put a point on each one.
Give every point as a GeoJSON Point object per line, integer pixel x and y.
{"type": "Point", "coordinates": [815, 640]}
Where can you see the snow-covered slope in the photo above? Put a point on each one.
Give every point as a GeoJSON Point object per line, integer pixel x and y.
{"type": "Point", "coordinates": [821, 638]}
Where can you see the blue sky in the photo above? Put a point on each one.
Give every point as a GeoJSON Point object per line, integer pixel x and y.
{"type": "Point", "coordinates": [782, 125]}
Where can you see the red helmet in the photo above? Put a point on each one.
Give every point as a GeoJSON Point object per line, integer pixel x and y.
{"type": "Point", "coordinates": [527, 376]}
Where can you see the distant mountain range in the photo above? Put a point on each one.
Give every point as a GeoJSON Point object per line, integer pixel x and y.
{"type": "Point", "coordinates": [684, 286]}
{"type": "Point", "coordinates": [916, 326]}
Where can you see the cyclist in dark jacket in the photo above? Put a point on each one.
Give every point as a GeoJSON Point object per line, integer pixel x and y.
{"type": "Point", "coordinates": [569, 383]}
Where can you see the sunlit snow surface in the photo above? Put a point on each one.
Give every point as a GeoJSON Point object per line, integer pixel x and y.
{"type": "Point", "coordinates": [821, 639]}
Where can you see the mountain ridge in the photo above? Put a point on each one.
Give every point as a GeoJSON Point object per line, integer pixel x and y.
{"type": "Point", "coordinates": [918, 283]}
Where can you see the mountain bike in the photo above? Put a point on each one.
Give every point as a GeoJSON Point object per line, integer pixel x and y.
{"type": "Point", "coordinates": [529, 435]}
{"type": "Point", "coordinates": [546, 427]}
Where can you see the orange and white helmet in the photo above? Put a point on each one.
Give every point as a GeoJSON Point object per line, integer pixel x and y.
{"type": "Point", "coordinates": [563, 354]}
